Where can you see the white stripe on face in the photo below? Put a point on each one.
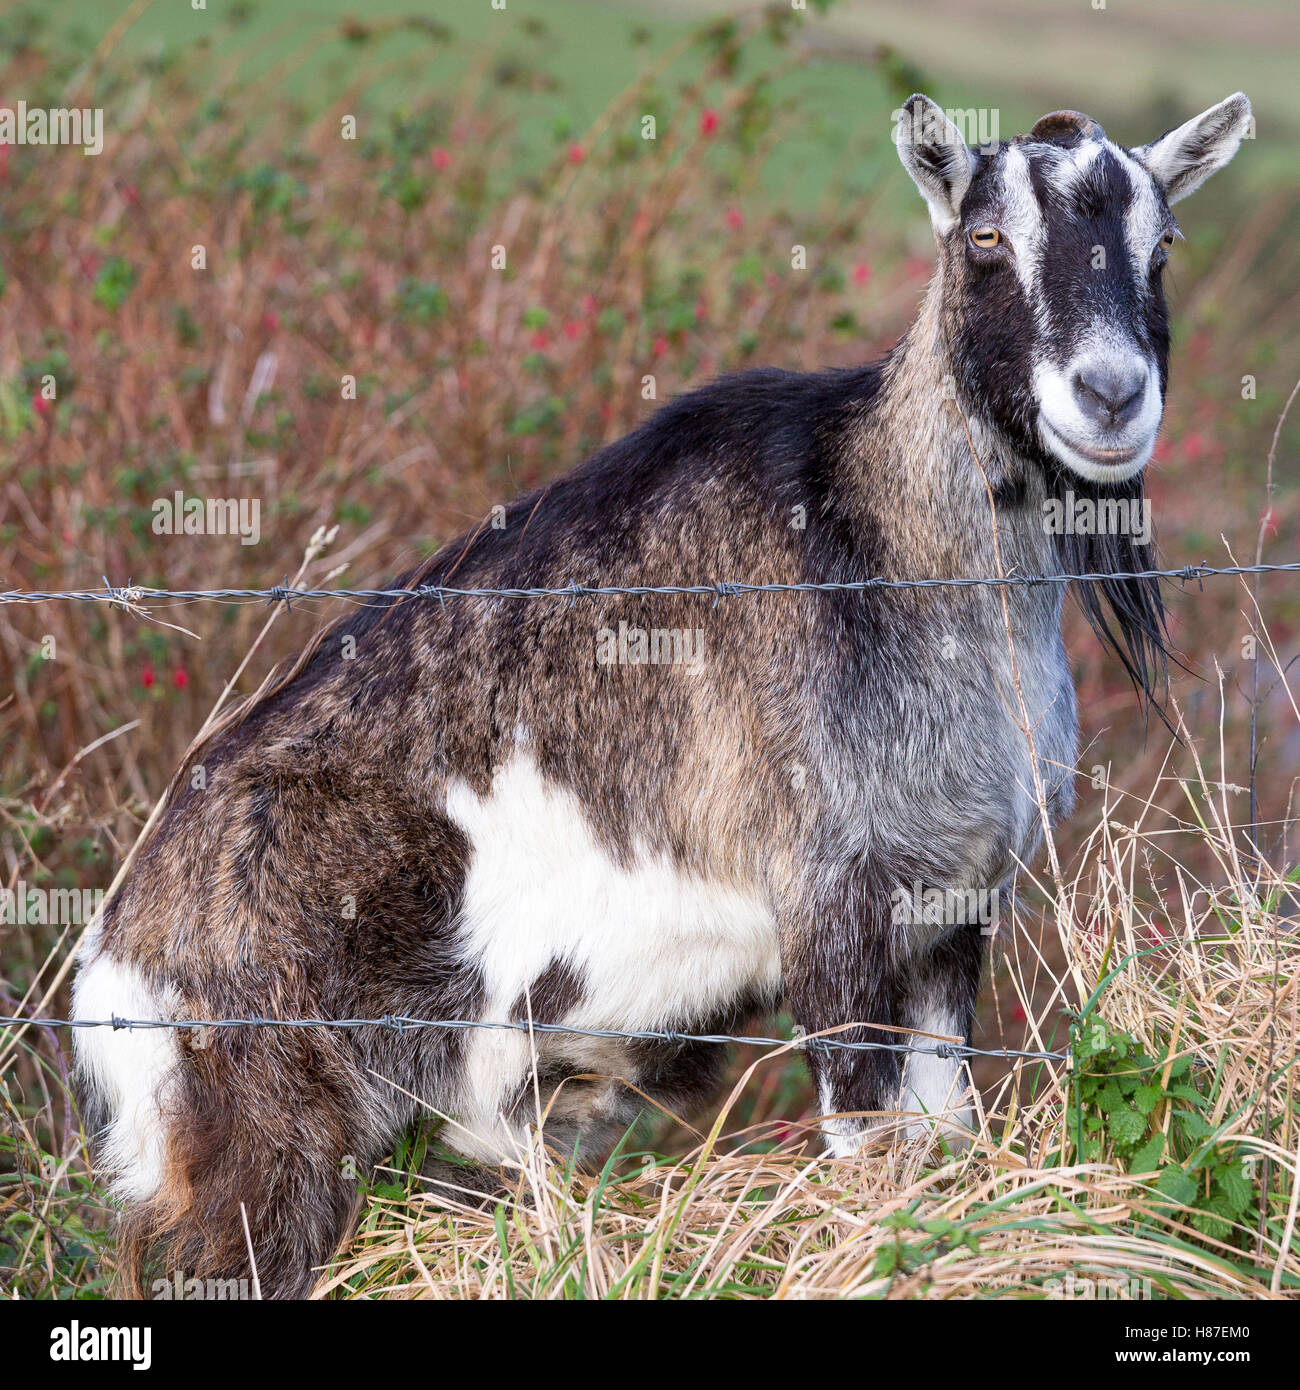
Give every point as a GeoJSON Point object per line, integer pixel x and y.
{"type": "Point", "coordinates": [1069, 166]}
{"type": "Point", "coordinates": [1023, 220]}
{"type": "Point", "coordinates": [1144, 221]}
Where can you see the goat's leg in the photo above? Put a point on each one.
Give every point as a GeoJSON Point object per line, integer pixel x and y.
{"type": "Point", "coordinates": [937, 995]}
{"type": "Point", "coordinates": [258, 1130]}
{"type": "Point", "coordinates": [838, 967]}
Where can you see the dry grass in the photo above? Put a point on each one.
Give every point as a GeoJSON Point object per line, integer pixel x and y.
{"type": "Point", "coordinates": [779, 1225]}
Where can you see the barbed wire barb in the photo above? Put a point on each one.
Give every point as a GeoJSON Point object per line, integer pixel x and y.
{"type": "Point", "coordinates": [131, 595]}
{"type": "Point", "coordinates": [401, 1023]}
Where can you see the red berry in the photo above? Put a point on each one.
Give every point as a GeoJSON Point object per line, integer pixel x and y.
{"type": "Point", "coordinates": [180, 678]}
{"type": "Point", "coordinates": [39, 404]}
{"type": "Point", "coordinates": [734, 220]}
{"type": "Point", "coordinates": [271, 321]}
{"type": "Point", "coordinates": [441, 159]}
{"type": "Point", "coordinates": [708, 121]}
{"type": "Point", "coordinates": [146, 677]}
{"type": "Point", "coordinates": [576, 154]}
{"type": "Point", "coordinates": [861, 273]}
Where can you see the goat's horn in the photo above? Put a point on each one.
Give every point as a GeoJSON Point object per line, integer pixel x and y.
{"type": "Point", "coordinates": [1058, 123]}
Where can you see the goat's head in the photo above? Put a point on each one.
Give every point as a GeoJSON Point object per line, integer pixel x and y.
{"type": "Point", "coordinates": [1052, 246]}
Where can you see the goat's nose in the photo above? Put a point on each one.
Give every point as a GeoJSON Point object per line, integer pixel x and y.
{"type": "Point", "coordinates": [1110, 394]}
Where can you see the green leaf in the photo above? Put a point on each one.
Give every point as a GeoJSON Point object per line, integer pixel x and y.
{"type": "Point", "coordinates": [114, 283]}
{"type": "Point", "coordinates": [1127, 1127]}
{"type": "Point", "coordinates": [1236, 1187]}
{"type": "Point", "coordinates": [1111, 1098]}
{"type": "Point", "coordinates": [1209, 1225]}
{"type": "Point", "coordinates": [1147, 1159]}
{"type": "Point", "coordinates": [939, 1227]}
{"type": "Point", "coordinates": [1146, 1098]}
{"type": "Point", "coordinates": [1194, 1126]}
{"type": "Point", "coordinates": [1185, 1093]}
{"type": "Point", "coordinates": [1176, 1185]}
{"type": "Point", "coordinates": [1212, 1218]}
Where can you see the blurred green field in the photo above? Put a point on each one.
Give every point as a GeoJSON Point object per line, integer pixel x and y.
{"type": "Point", "coordinates": [557, 64]}
{"type": "Point", "coordinates": [1119, 61]}
{"type": "Point", "coordinates": [1139, 68]}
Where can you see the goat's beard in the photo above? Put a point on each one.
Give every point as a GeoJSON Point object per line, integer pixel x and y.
{"type": "Point", "coordinates": [1127, 615]}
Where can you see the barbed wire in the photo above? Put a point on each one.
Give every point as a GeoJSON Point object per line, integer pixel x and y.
{"type": "Point", "coordinates": [128, 595]}
{"type": "Point", "coordinates": [401, 1023]}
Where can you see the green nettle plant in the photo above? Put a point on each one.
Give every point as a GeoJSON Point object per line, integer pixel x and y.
{"type": "Point", "coordinates": [1156, 1115]}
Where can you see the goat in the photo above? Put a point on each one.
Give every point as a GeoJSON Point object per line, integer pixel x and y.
{"type": "Point", "coordinates": [492, 810]}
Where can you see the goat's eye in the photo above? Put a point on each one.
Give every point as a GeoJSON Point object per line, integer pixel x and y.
{"type": "Point", "coordinates": [1167, 241]}
{"type": "Point", "coordinates": [985, 237]}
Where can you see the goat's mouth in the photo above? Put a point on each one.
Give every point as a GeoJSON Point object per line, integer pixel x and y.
{"type": "Point", "coordinates": [1104, 465]}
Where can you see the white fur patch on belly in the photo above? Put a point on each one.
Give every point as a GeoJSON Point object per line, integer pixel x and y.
{"type": "Point", "coordinates": [654, 946]}
{"type": "Point", "coordinates": [129, 1071]}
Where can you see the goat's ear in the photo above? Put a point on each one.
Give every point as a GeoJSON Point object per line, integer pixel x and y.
{"type": "Point", "coordinates": [936, 156]}
{"type": "Point", "coordinates": [1182, 160]}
